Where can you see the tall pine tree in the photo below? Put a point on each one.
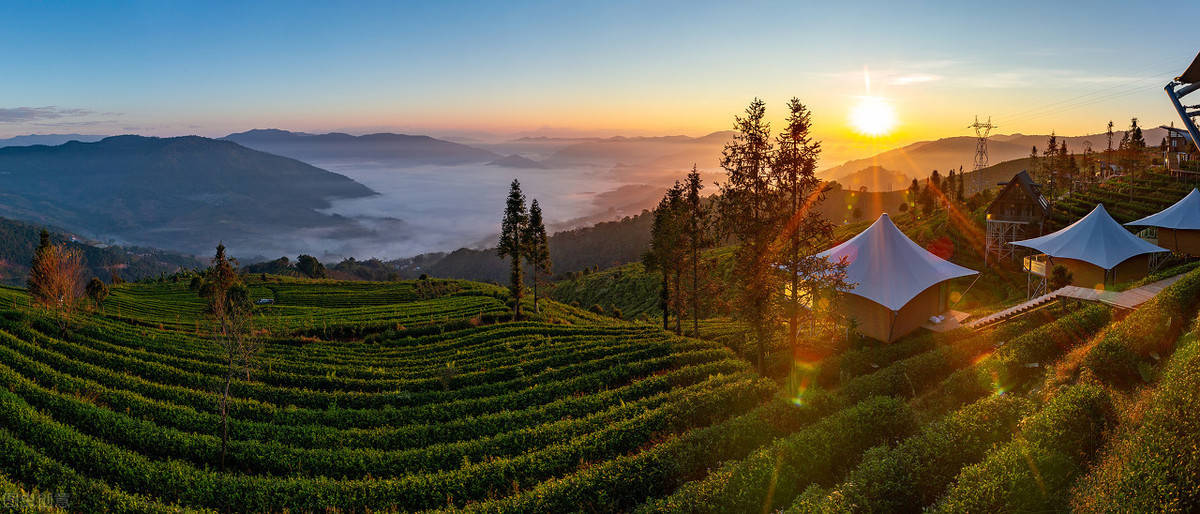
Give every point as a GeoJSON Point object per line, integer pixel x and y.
{"type": "Point", "coordinates": [537, 248]}
{"type": "Point", "coordinates": [750, 214]}
{"type": "Point", "coordinates": [805, 230]}
{"type": "Point", "coordinates": [512, 228]}
{"type": "Point", "coordinates": [665, 250]}
{"type": "Point", "coordinates": [697, 239]}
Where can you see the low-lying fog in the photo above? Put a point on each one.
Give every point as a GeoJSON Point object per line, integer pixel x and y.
{"type": "Point", "coordinates": [440, 208]}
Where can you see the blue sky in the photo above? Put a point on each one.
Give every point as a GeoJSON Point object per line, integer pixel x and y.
{"type": "Point", "coordinates": [210, 68]}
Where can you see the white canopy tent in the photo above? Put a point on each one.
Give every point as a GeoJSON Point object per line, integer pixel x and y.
{"type": "Point", "coordinates": [888, 268]}
{"type": "Point", "coordinates": [1184, 215]}
{"type": "Point", "coordinates": [898, 286]}
{"type": "Point", "coordinates": [1177, 227]}
{"type": "Point", "coordinates": [1096, 239]}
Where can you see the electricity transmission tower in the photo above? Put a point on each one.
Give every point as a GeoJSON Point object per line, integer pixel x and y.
{"type": "Point", "coordinates": [981, 157]}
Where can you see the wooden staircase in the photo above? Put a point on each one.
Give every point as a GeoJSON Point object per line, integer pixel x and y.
{"type": "Point", "coordinates": [1015, 310]}
{"type": "Point", "coordinates": [1129, 299]}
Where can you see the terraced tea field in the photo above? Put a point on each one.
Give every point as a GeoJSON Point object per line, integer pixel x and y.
{"type": "Point", "coordinates": [424, 397]}
{"type": "Point", "coordinates": [437, 406]}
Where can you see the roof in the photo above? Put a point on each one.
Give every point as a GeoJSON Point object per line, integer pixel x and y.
{"type": "Point", "coordinates": [1031, 188]}
{"type": "Point", "coordinates": [1096, 239]}
{"type": "Point", "coordinates": [1183, 215]}
{"type": "Point", "coordinates": [1192, 73]}
{"type": "Point", "coordinates": [1177, 132]}
{"type": "Point", "coordinates": [888, 268]}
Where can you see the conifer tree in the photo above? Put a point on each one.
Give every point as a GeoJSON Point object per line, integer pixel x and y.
{"type": "Point", "coordinates": [750, 214]}
{"type": "Point", "coordinates": [805, 229]}
{"type": "Point", "coordinates": [1050, 165]}
{"type": "Point", "coordinates": [666, 251]}
{"type": "Point", "coordinates": [697, 239]}
{"type": "Point", "coordinates": [36, 284]}
{"type": "Point", "coordinates": [537, 247]}
{"type": "Point", "coordinates": [961, 196]}
{"type": "Point", "coordinates": [951, 185]}
{"type": "Point", "coordinates": [677, 250]}
{"type": "Point", "coordinates": [511, 230]}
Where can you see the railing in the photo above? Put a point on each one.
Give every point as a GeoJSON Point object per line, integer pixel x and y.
{"type": "Point", "coordinates": [1035, 264]}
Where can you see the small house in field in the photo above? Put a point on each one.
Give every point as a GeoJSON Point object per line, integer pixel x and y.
{"type": "Point", "coordinates": [1096, 250]}
{"type": "Point", "coordinates": [1018, 212]}
{"type": "Point", "coordinates": [898, 286]}
{"type": "Point", "coordinates": [1177, 226]}
{"type": "Point", "coordinates": [1179, 155]}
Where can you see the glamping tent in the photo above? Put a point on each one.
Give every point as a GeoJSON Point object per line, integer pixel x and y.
{"type": "Point", "coordinates": [1094, 249]}
{"type": "Point", "coordinates": [898, 285]}
{"type": "Point", "coordinates": [1178, 225]}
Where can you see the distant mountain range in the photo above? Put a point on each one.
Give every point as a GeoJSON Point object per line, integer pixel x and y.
{"type": "Point", "coordinates": [668, 151]}
{"type": "Point", "coordinates": [516, 161]}
{"type": "Point", "coordinates": [183, 193]}
{"type": "Point", "coordinates": [48, 139]}
{"type": "Point", "coordinates": [917, 160]}
{"type": "Point", "coordinates": [399, 148]}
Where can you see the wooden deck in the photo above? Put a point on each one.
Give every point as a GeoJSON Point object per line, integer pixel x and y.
{"type": "Point", "coordinates": [1128, 299]}
{"type": "Point", "coordinates": [953, 320]}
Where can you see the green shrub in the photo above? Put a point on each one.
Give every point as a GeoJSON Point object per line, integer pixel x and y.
{"type": "Point", "coordinates": [912, 474]}
{"type": "Point", "coordinates": [772, 476]}
{"type": "Point", "coordinates": [1147, 333]}
{"type": "Point", "coordinates": [1154, 466]}
{"type": "Point", "coordinates": [1033, 472]}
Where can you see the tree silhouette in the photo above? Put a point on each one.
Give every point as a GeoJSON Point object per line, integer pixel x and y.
{"type": "Point", "coordinates": [697, 239]}
{"type": "Point", "coordinates": [537, 247]}
{"type": "Point", "coordinates": [511, 230]}
{"type": "Point", "coordinates": [750, 214]}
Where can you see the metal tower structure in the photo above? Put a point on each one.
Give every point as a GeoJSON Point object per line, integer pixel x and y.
{"type": "Point", "coordinates": [981, 155]}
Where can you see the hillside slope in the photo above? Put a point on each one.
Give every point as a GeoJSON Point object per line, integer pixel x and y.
{"type": "Point", "coordinates": [184, 193]}
{"type": "Point", "coordinates": [920, 158]}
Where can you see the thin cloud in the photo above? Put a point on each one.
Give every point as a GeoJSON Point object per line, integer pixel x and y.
{"type": "Point", "coordinates": [34, 114]}
{"type": "Point", "coordinates": [916, 78]}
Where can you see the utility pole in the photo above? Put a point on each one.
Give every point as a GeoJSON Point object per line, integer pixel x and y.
{"type": "Point", "coordinates": [981, 155]}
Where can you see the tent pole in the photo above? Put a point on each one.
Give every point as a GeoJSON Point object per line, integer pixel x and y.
{"type": "Point", "coordinates": [964, 293]}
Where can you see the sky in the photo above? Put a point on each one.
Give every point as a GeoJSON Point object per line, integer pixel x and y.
{"type": "Point", "coordinates": [498, 69]}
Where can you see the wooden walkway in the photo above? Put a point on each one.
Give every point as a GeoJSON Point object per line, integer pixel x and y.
{"type": "Point", "coordinates": [1128, 299]}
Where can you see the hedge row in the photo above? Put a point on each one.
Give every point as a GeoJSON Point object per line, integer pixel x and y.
{"type": "Point", "coordinates": [1147, 333]}
{"type": "Point", "coordinates": [149, 438]}
{"type": "Point", "coordinates": [176, 481]}
{"type": "Point", "coordinates": [188, 418]}
{"type": "Point", "coordinates": [622, 483]}
{"type": "Point", "coordinates": [914, 473]}
{"type": "Point", "coordinates": [614, 376]}
{"type": "Point", "coordinates": [570, 364]}
{"type": "Point", "coordinates": [83, 494]}
{"type": "Point", "coordinates": [1034, 471]}
{"type": "Point", "coordinates": [1155, 466]}
{"type": "Point", "coordinates": [772, 476]}
{"type": "Point", "coordinates": [510, 360]}
{"type": "Point", "coordinates": [1009, 367]}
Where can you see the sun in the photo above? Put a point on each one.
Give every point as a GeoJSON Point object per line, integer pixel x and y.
{"type": "Point", "coordinates": [873, 116]}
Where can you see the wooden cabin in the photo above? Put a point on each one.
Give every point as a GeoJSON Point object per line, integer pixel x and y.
{"type": "Point", "coordinates": [1019, 212]}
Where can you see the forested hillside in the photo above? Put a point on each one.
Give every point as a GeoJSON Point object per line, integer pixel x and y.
{"type": "Point", "coordinates": [19, 239]}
